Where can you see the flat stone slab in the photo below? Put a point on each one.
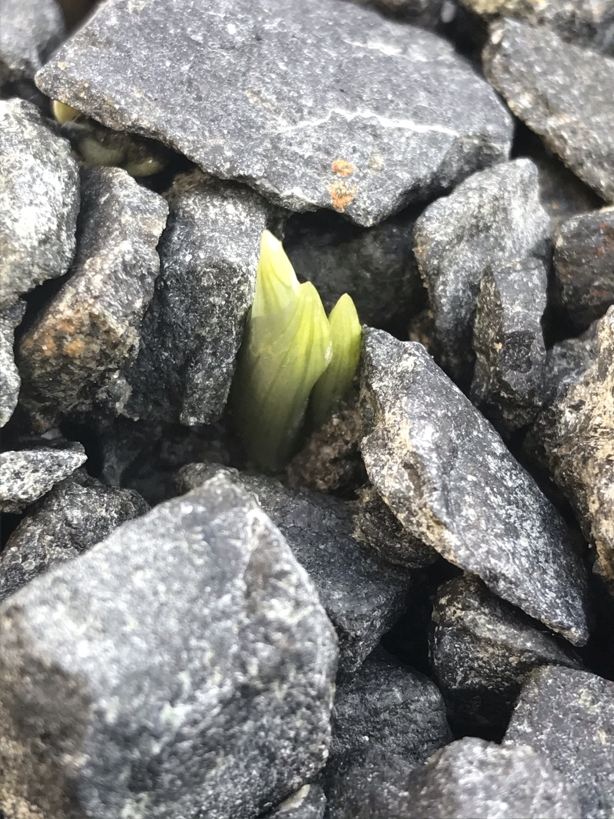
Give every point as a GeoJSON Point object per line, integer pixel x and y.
{"type": "Point", "coordinates": [27, 474]}
{"type": "Point", "coordinates": [316, 105]}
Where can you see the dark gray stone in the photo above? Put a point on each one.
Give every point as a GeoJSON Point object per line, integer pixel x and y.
{"type": "Point", "coordinates": [584, 267]}
{"type": "Point", "coordinates": [493, 218]}
{"type": "Point", "coordinates": [30, 30]}
{"type": "Point", "coordinates": [469, 779]}
{"type": "Point", "coordinates": [72, 357]}
{"type": "Point", "coordinates": [567, 717]}
{"type": "Point", "coordinates": [28, 474]}
{"type": "Point", "coordinates": [193, 327]}
{"type": "Point", "coordinates": [482, 650]}
{"type": "Point", "coordinates": [39, 201]}
{"type": "Point", "coordinates": [452, 483]}
{"type": "Point", "coordinates": [418, 12]}
{"type": "Point", "coordinates": [78, 513]}
{"type": "Point", "coordinates": [562, 92]}
{"type": "Point", "coordinates": [384, 114]}
{"type": "Point", "coordinates": [307, 803]}
{"type": "Point", "coordinates": [508, 379]}
{"type": "Point", "coordinates": [10, 317]}
{"type": "Point", "coordinates": [182, 667]}
{"type": "Point", "coordinates": [362, 596]}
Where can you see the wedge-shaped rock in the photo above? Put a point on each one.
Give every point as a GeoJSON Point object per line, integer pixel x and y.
{"type": "Point", "coordinates": [315, 105]}
{"type": "Point", "coordinates": [452, 483]}
{"type": "Point", "coordinates": [28, 474]}
{"type": "Point", "coordinates": [182, 667]}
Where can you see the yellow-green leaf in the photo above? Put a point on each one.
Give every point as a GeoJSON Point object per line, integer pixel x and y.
{"type": "Point", "coordinates": [276, 282]}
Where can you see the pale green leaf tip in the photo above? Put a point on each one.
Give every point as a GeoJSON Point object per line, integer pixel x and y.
{"type": "Point", "coordinates": [276, 282]}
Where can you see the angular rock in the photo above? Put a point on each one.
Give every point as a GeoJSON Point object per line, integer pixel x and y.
{"type": "Point", "coordinates": [567, 717]}
{"type": "Point", "coordinates": [185, 652]}
{"type": "Point", "coordinates": [493, 218]}
{"type": "Point", "coordinates": [77, 513]}
{"type": "Point", "coordinates": [362, 596]}
{"type": "Point", "coordinates": [584, 267]}
{"type": "Point", "coordinates": [482, 650]}
{"type": "Point", "coordinates": [385, 114]}
{"type": "Point", "coordinates": [469, 779]}
{"type": "Point", "coordinates": [193, 327]}
{"type": "Point", "coordinates": [72, 357]}
{"type": "Point", "coordinates": [10, 381]}
{"type": "Point", "coordinates": [28, 474]}
{"type": "Point", "coordinates": [508, 379]}
{"type": "Point", "coordinates": [307, 803]}
{"type": "Point", "coordinates": [39, 201]}
{"type": "Point", "coordinates": [452, 483]}
{"type": "Point", "coordinates": [30, 31]}
{"type": "Point", "coordinates": [561, 92]}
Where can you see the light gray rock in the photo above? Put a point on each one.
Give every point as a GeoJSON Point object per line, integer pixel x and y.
{"type": "Point", "coordinates": [561, 92]}
{"type": "Point", "coordinates": [493, 218]}
{"type": "Point", "coordinates": [29, 32]}
{"type": "Point", "coordinates": [452, 483]}
{"type": "Point", "coordinates": [307, 803]}
{"type": "Point", "coordinates": [567, 717]}
{"type": "Point", "coordinates": [28, 474]}
{"type": "Point", "coordinates": [72, 357]}
{"type": "Point", "coordinates": [384, 114]}
{"type": "Point", "coordinates": [75, 515]}
{"type": "Point", "coordinates": [181, 667]}
{"type": "Point", "coordinates": [193, 327]}
{"type": "Point", "coordinates": [10, 317]}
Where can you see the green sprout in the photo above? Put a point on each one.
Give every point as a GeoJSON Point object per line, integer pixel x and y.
{"type": "Point", "coordinates": [288, 345]}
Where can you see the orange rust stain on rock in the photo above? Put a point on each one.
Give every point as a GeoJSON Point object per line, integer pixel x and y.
{"type": "Point", "coordinates": [75, 348]}
{"type": "Point", "coordinates": [341, 194]}
{"type": "Point", "coordinates": [342, 167]}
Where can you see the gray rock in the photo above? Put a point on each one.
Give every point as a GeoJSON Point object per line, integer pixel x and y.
{"type": "Point", "coordinates": [182, 667]}
{"type": "Point", "coordinates": [362, 596]}
{"type": "Point", "coordinates": [452, 483]}
{"type": "Point", "coordinates": [30, 31]}
{"type": "Point", "coordinates": [495, 217]}
{"type": "Point", "coordinates": [584, 267]}
{"type": "Point", "coordinates": [28, 474]}
{"type": "Point", "coordinates": [72, 357]}
{"type": "Point", "coordinates": [561, 92]}
{"type": "Point", "coordinates": [78, 513]}
{"type": "Point", "coordinates": [418, 12]}
{"type": "Point", "coordinates": [307, 803]}
{"type": "Point", "coordinates": [508, 379]}
{"type": "Point", "coordinates": [193, 327]}
{"type": "Point", "coordinates": [567, 717]}
{"type": "Point", "coordinates": [39, 201]}
{"type": "Point", "coordinates": [385, 114]}
{"type": "Point", "coordinates": [469, 779]}
{"type": "Point", "coordinates": [482, 650]}
{"type": "Point", "coordinates": [10, 317]}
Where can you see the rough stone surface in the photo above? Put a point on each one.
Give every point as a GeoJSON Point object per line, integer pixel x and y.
{"type": "Point", "coordinates": [39, 201]}
{"type": "Point", "coordinates": [495, 217]}
{"type": "Point", "coordinates": [307, 803]}
{"type": "Point", "coordinates": [567, 717]}
{"type": "Point", "coordinates": [482, 650]}
{"type": "Point", "coordinates": [584, 266]}
{"type": "Point", "coordinates": [78, 513]}
{"type": "Point", "coordinates": [193, 327]}
{"type": "Point", "coordinates": [362, 596]}
{"type": "Point", "coordinates": [562, 92]}
{"type": "Point", "coordinates": [452, 483]}
{"type": "Point", "coordinates": [30, 31]}
{"type": "Point", "coordinates": [182, 667]}
{"type": "Point", "coordinates": [385, 114]}
{"type": "Point", "coordinates": [10, 317]}
{"type": "Point", "coordinates": [71, 358]}
{"type": "Point", "coordinates": [28, 474]}
{"type": "Point", "coordinates": [469, 779]}
{"type": "Point", "coordinates": [508, 379]}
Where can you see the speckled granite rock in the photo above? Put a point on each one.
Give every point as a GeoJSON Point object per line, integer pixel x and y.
{"type": "Point", "coordinates": [78, 513]}
{"type": "Point", "coordinates": [469, 779]}
{"type": "Point", "coordinates": [27, 474]}
{"type": "Point", "coordinates": [494, 217]}
{"type": "Point", "coordinates": [584, 266]}
{"type": "Point", "coordinates": [10, 317]}
{"type": "Point", "coordinates": [39, 201]}
{"type": "Point", "coordinates": [185, 652]}
{"type": "Point", "coordinates": [307, 803]}
{"type": "Point", "coordinates": [482, 650]}
{"type": "Point", "coordinates": [452, 483]}
{"type": "Point", "coordinates": [385, 113]}
{"type": "Point", "coordinates": [72, 357]}
{"type": "Point", "coordinates": [562, 92]}
{"type": "Point", "coordinates": [362, 596]}
{"type": "Point", "coordinates": [567, 717]}
{"type": "Point", "coordinates": [508, 379]}
{"type": "Point", "coordinates": [193, 327]}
